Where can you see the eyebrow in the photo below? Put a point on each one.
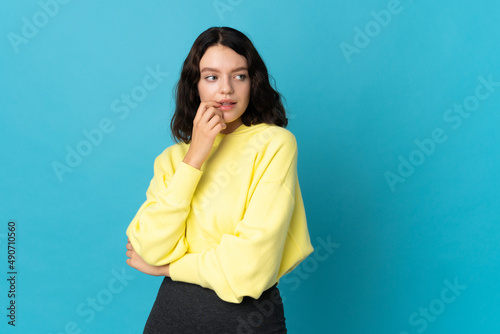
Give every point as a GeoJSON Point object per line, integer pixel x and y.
{"type": "Point", "coordinates": [210, 69]}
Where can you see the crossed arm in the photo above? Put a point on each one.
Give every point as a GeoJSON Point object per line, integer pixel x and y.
{"type": "Point", "coordinates": [206, 125]}
{"type": "Point", "coordinates": [136, 262]}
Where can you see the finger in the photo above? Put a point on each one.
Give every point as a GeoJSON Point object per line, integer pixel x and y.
{"type": "Point", "coordinates": [204, 106]}
{"type": "Point", "coordinates": [219, 112]}
{"type": "Point", "coordinates": [202, 109]}
{"type": "Point", "coordinates": [211, 104]}
{"type": "Point", "coordinates": [212, 113]}
{"type": "Point", "coordinates": [215, 121]}
{"type": "Point", "coordinates": [207, 116]}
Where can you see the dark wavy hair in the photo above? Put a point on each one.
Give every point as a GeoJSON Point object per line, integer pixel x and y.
{"type": "Point", "coordinates": [265, 104]}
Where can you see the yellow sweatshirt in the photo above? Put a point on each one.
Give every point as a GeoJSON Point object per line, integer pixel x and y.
{"type": "Point", "coordinates": [235, 226]}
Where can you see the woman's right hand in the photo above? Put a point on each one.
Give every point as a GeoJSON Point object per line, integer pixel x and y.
{"type": "Point", "coordinates": [207, 123]}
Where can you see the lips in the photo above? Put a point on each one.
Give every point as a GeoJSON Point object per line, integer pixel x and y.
{"type": "Point", "coordinates": [227, 102]}
{"type": "Point", "coordinates": [227, 105]}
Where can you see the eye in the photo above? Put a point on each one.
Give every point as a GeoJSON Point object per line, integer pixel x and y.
{"type": "Point", "coordinates": [241, 77]}
{"type": "Point", "coordinates": [211, 78]}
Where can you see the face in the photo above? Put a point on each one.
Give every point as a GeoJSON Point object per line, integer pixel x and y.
{"type": "Point", "coordinates": [224, 79]}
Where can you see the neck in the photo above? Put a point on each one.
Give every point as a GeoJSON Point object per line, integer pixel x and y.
{"type": "Point", "coordinates": [232, 126]}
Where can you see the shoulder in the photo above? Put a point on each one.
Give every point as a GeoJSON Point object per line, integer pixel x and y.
{"type": "Point", "coordinates": [275, 155]}
{"type": "Point", "coordinates": [275, 134]}
{"type": "Point", "coordinates": [168, 160]}
{"type": "Point", "coordinates": [276, 138]}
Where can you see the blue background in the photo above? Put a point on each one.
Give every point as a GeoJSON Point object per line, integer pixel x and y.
{"type": "Point", "coordinates": [355, 115]}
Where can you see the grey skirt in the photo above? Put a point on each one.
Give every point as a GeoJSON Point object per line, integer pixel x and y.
{"type": "Point", "coordinates": [183, 308]}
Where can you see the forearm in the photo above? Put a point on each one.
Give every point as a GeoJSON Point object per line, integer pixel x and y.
{"type": "Point", "coordinates": [158, 235]}
{"type": "Point", "coordinates": [136, 261]}
{"type": "Point", "coordinates": [158, 229]}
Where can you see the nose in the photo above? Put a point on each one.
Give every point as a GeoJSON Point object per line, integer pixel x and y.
{"type": "Point", "coordinates": [226, 86]}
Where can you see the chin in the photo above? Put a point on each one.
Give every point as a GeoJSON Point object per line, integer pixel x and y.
{"type": "Point", "coordinates": [231, 117]}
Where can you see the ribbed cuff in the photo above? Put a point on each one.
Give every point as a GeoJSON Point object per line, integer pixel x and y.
{"type": "Point", "coordinates": [185, 269]}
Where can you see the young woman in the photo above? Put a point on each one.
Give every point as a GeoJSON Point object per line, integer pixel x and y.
{"type": "Point", "coordinates": [223, 219]}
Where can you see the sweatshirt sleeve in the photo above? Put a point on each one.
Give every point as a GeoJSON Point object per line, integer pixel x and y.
{"type": "Point", "coordinates": [247, 262]}
{"type": "Point", "coordinates": [157, 231]}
